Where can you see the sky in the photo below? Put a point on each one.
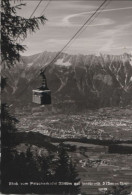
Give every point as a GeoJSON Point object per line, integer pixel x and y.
{"type": "Point", "coordinates": [110, 32]}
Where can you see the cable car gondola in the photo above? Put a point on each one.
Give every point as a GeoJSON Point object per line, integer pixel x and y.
{"type": "Point", "coordinates": [42, 95]}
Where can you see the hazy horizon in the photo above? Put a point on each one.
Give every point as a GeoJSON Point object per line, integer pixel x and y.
{"type": "Point", "coordinates": [97, 54]}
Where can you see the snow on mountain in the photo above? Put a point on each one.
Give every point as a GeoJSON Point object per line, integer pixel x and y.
{"type": "Point", "coordinates": [60, 62]}
{"type": "Point", "coordinates": [89, 80]}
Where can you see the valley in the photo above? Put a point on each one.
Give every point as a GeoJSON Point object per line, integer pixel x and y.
{"type": "Point", "coordinates": [103, 123]}
{"type": "Point", "coordinates": [88, 137]}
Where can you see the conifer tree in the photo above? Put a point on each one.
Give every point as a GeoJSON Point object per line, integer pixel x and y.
{"type": "Point", "coordinates": [14, 29]}
{"type": "Point", "coordinates": [62, 169]}
{"type": "Point", "coordinates": [8, 126]}
{"type": "Point", "coordinates": [118, 190]}
{"type": "Point", "coordinates": [31, 171]}
{"type": "Point", "coordinates": [66, 172]}
{"type": "Point", "coordinates": [74, 179]}
{"type": "Point", "coordinates": [46, 166]}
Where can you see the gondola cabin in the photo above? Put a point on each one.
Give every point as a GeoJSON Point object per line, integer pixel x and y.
{"type": "Point", "coordinates": [42, 95]}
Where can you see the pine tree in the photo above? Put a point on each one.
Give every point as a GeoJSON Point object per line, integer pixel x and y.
{"type": "Point", "coordinates": [14, 29]}
{"type": "Point", "coordinates": [66, 172]}
{"type": "Point", "coordinates": [46, 165]}
{"type": "Point", "coordinates": [118, 190]}
{"type": "Point", "coordinates": [74, 179]}
{"type": "Point", "coordinates": [62, 169]}
{"type": "Point", "coordinates": [31, 166]}
{"type": "Point", "coordinates": [8, 126]}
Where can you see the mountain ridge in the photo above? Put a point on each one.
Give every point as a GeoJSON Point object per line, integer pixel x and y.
{"type": "Point", "coordinates": [95, 81]}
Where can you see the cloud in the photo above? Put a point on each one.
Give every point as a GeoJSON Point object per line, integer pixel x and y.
{"type": "Point", "coordinates": [103, 41]}
{"type": "Point", "coordinates": [66, 20]}
{"type": "Point", "coordinates": [114, 37]}
{"type": "Point", "coordinates": [122, 47]}
{"type": "Point", "coordinates": [97, 22]}
{"type": "Point", "coordinates": [116, 31]}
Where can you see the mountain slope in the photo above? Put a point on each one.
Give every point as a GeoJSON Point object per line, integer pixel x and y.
{"type": "Point", "coordinates": [85, 80]}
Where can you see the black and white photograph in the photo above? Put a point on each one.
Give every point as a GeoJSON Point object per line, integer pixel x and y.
{"type": "Point", "coordinates": [66, 97]}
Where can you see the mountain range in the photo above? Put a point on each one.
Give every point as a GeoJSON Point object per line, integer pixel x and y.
{"type": "Point", "coordinates": [76, 81]}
